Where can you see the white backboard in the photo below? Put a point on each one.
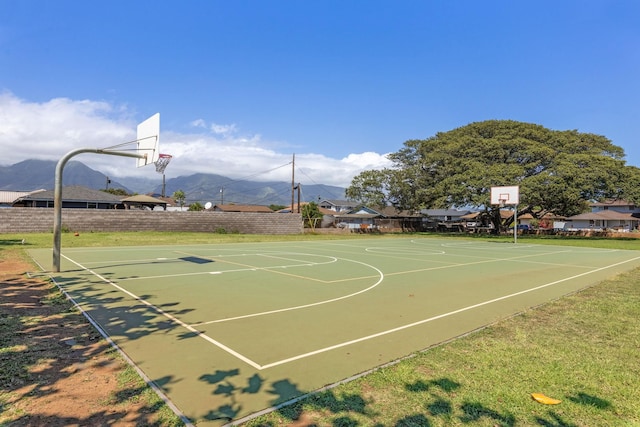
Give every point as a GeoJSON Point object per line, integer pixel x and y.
{"type": "Point", "coordinates": [509, 195]}
{"type": "Point", "coordinates": [148, 140]}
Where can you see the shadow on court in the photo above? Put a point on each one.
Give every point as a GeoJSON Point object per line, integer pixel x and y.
{"type": "Point", "coordinates": [226, 385]}
{"type": "Point", "coordinates": [117, 314]}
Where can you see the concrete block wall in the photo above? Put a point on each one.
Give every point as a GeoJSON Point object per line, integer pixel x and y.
{"type": "Point", "coordinates": [25, 220]}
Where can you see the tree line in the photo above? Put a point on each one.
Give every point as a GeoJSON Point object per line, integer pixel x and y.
{"type": "Point", "coordinates": [557, 172]}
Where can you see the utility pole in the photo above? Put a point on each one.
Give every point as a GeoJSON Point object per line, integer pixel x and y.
{"type": "Point", "coordinates": [221, 196]}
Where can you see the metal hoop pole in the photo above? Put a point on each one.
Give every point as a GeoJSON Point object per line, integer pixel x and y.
{"type": "Point", "coordinates": [57, 195]}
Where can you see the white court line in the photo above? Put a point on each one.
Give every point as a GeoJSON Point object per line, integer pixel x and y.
{"type": "Point", "coordinates": [440, 316]}
{"type": "Point", "coordinates": [170, 317]}
{"type": "Point", "coordinates": [275, 255]}
{"type": "Point", "coordinates": [159, 390]}
{"type": "Point", "coordinates": [237, 270]}
{"type": "Point", "coordinates": [192, 328]}
{"type": "Point", "coordinates": [384, 250]}
{"type": "Point", "coordinates": [397, 252]}
{"type": "Point", "coordinates": [302, 263]}
{"type": "Point", "coordinates": [132, 261]}
{"type": "Point", "coordinates": [264, 313]}
{"type": "Point", "coordinates": [496, 245]}
{"type": "Point", "coordinates": [484, 259]}
{"type": "Point", "coordinates": [523, 259]}
{"type": "Point", "coordinates": [346, 343]}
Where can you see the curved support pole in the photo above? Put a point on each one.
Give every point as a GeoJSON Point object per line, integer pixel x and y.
{"type": "Point", "coordinates": [57, 195]}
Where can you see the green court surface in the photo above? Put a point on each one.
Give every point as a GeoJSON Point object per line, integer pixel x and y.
{"type": "Point", "coordinates": [229, 330]}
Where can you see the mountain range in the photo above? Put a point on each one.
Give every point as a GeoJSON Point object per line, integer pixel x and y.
{"type": "Point", "coordinates": [31, 175]}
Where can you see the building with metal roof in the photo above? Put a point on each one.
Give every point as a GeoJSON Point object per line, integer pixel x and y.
{"type": "Point", "coordinates": [8, 198]}
{"type": "Point", "coordinates": [77, 197]}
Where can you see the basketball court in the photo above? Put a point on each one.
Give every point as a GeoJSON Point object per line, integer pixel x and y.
{"type": "Point", "coordinates": [226, 331]}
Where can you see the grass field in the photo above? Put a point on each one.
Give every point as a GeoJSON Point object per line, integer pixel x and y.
{"type": "Point", "coordinates": [581, 349]}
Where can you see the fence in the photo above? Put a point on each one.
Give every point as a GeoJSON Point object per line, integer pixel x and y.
{"type": "Point", "coordinates": [26, 220]}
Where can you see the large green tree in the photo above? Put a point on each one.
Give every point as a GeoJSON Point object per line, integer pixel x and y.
{"type": "Point", "coordinates": [311, 215]}
{"type": "Point", "coordinates": [370, 187]}
{"type": "Point", "coordinates": [557, 171]}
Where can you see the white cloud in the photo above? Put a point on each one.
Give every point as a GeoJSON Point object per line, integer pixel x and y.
{"type": "Point", "coordinates": [199, 123]}
{"type": "Point", "coordinates": [223, 129]}
{"type": "Point", "coordinates": [49, 130]}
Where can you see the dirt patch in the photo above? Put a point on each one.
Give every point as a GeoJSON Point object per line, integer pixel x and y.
{"type": "Point", "coordinates": [55, 369]}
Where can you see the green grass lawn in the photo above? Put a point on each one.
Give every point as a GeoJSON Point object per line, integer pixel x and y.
{"type": "Point", "coordinates": [583, 349]}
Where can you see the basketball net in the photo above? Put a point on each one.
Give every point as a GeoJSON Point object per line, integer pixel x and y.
{"type": "Point", "coordinates": [162, 162]}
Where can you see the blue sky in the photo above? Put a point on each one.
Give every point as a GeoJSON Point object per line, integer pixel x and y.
{"type": "Point", "coordinates": [242, 85]}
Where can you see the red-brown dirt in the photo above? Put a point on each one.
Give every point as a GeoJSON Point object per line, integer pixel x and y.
{"type": "Point", "coordinates": [55, 369]}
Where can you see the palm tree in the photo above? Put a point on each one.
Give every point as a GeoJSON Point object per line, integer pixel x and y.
{"type": "Point", "coordinates": [179, 197]}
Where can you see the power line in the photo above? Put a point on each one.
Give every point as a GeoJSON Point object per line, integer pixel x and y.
{"type": "Point", "coordinates": [246, 178]}
{"type": "Point", "coordinates": [327, 190]}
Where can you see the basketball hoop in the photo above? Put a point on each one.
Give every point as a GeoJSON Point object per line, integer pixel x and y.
{"type": "Point", "coordinates": [503, 196]}
{"type": "Point", "coordinates": [162, 162]}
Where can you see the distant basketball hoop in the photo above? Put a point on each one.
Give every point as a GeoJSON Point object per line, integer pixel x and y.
{"type": "Point", "coordinates": [503, 196]}
{"type": "Point", "coordinates": [162, 162]}
{"type": "Point", "coordinates": [507, 196]}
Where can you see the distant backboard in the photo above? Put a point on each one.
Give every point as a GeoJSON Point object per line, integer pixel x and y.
{"type": "Point", "coordinates": [505, 195]}
{"type": "Point", "coordinates": [148, 140]}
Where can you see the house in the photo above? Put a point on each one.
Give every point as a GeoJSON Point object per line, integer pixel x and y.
{"type": "Point", "coordinates": [301, 205]}
{"type": "Point", "coordinates": [72, 197]}
{"type": "Point", "coordinates": [614, 205]}
{"type": "Point", "coordinates": [480, 222]}
{"type": "Point", "coordinates": [452, 215]}
{"type": "Point", "coordinates": [327, 214]}
{"type": "Point", "coordinates": [171, 204]}
{"type": "Point", "coordinates": [388, 218]}
{"type": "Point", "coordinates": [394, 219]}
{"type": "Point", "coordinates": [338, 205]}
{"type": "Point", "coordinates": [360, 218]}
{"type": "Point", "coordinates": [349, 215]}
{"type": "Point", "coordinates": [8, 198]}
{"type": "Point", "coordinates": [444, 219]}
{"type": "Point", "coordinates": [616, 215]}
{"type": "Point", "coordinates": [142, 201]}
{"type": "Point", "coordinates": [545, 223]}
